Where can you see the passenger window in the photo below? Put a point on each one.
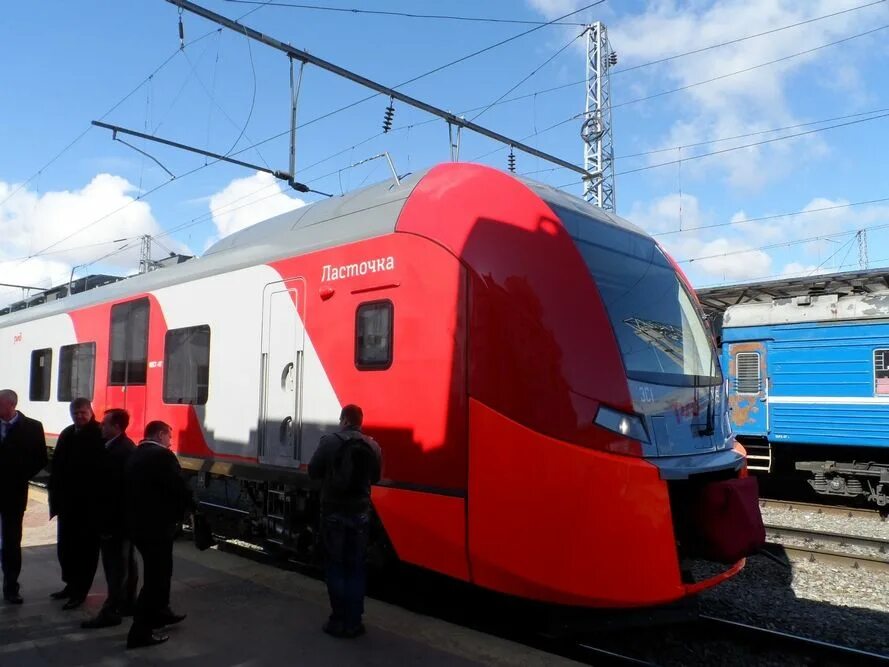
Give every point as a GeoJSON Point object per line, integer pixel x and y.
{"type": "Point", "coordinates": [41, 367]}
{"type": "Point", "coordinates": [881, 372]}
{"type": "Point", "coordinates": [373, 335]}
{"type": "Point", "coordinates": [187, 365]}
{"type": "Point", "coordinates": [748, 379]}
{"type": "Point", "coordinates": [129, 343]}
{"type": "Point", "coordinates": [77, 371]}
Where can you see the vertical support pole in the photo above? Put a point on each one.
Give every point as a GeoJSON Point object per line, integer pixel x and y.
{"type": "Point", "coordinates": [598, 149]}
{"type": "Point", "coordinates": [454, 140]}
{"type": "Point", "coordinates": [294, 103]}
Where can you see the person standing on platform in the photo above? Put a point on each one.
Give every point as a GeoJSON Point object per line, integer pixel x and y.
{"type": "Point", "coordinates": [22, 455]}
{"type": "Point", "coordinates": [118, 557]}
{"type": "Point", "coordinates": [73, 498]}
{"type": "Point", "coordinates": [347, 463]}
{"type": "Point", "coordinates": [156, 501]}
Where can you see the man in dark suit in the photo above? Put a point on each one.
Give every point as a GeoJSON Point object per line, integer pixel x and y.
{"type": "Point", "coordinates": [74, 483]}
{"type": "Point", "coordinates": [22, 455]}
{"type": "Point", "coordinates": [156, 501]}
{"type": "Point", "coordinates": [118, 558]}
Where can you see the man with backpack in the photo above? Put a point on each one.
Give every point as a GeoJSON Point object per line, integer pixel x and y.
{"type": "Point", "coordinates": [347, 463]}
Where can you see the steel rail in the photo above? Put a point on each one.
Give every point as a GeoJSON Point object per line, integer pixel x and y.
{"type": "Point", "coordinates": [840, 539]}
{"type": "Point", "coordinates": [833, 510]}
{"type": "Point", "coordinates": [807, 645]}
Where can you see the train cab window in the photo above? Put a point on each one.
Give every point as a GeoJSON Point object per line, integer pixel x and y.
{"type": "Point", "coordinates": [748, 378]}
{"type": "Point", "coordinates": [881, 372]}
{"type": "Point", "coordinates": [77, 371]}
{"type": "Point", "coordinates": [187, 365]}
{"type": "Point", "coordinates": [373, 335]}
{"type": "Point", "coordinates": [128, 363]}
{"type": "Point", "coordinates": [41, 369]}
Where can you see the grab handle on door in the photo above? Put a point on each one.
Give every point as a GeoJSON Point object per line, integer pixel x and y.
{"type": "Point", "coordinates": [285, 430]}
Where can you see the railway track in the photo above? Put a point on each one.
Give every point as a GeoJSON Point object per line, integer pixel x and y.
{"type": "Point", "coordinates": [814, 551]}
{"type": "Point", "coordinates": [833, 510]}
{"type": "Point", "coordinates": [785, 641]}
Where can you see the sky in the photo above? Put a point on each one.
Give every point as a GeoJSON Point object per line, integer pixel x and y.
{"type": "Point", "coordinates": [782, 192]}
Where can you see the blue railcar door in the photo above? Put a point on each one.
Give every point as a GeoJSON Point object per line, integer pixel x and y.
{"type": "Point", "coordinates": [749, 389]}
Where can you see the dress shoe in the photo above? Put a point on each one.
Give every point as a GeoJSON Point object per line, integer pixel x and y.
{"type": "Point", "coordinates": [73, 603]}
{"type": "Point", "coordinates": [357, 631]}
{"type": "Point", "coordinates": [13, 598]}
{"type": "Point", "coordinates": [61, 595]}
{"type": "Point", "coordinates": [101, 621]}
{"type": "Point", "coordinates": [333, 628]}
{"type": "Point", "coordinates": [167, 618]}
{"type": "Point", "coordinates": [152, 639]}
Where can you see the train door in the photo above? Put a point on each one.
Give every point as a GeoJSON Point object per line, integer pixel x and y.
{"type": "Point", "coordinates": [748, 400]}
{"type": "Point", "coordinates": [280, 426]}
{"type": "Point", "coordinates": [128, 361]}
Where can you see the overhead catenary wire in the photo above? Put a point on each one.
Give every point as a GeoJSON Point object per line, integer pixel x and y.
{"type": "Point", "coordinates": [782, 244]}
{"type": "Point", "coordinates": [533, 72]}
{"type": "Point", "coordinates": [111, 110]}
{"type": "Point", "coordinates": [697, 83]}
{"type": "Point", "coordinates": [775, 216]}
{"type": "Point", "coordinates": [792, 274]}
{"type": "Point", "coordinates": [376, 12]}
{"type": "Point", "coordinates": [619, 70]}
{"type": "Point", "coordinates": [392, 92]}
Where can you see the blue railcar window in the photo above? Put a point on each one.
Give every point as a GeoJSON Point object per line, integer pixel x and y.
{"type": "Point", "coordinates": [881, 372]}
{"type": "Point", "coordinates": [748, 376]}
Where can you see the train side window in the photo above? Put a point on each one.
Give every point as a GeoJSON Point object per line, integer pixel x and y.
{"type": "Point", "coordinates": [41, 369]}
{"type": "Point", "coordinates": [373, 335]}
{"type": "Point", "coordinates": [129, 343]}
{"type": "Point", "coordinates": [187, 365]}
{"type": "Point", "coordinates": [881, 372]}
{"type": "Point", "coordinates": [748, 375]}
{"type": "Point", "coordinates": [77, 371]}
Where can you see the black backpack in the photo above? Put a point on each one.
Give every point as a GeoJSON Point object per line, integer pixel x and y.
{"type": "Point", "coordinates": [352, 464]}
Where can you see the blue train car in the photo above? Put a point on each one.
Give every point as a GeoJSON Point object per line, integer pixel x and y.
{"type": "Point", "coordinates": [809, 389]}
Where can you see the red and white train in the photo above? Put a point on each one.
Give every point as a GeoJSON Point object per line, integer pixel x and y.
{"type": "Point", "coordinates": [535, 369]}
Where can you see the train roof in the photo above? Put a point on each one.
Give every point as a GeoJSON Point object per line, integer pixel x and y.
{"type": "Point", "coordinates": [355, 216]}
{"type": "Point", "coordinates": [816, 308]}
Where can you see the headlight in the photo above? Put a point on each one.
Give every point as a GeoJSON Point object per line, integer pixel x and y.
{"type": "Point", "coordinates": [630, 426]}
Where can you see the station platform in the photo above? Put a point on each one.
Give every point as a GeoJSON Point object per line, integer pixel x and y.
{"type": "Point", "coordinates": [240, 613]}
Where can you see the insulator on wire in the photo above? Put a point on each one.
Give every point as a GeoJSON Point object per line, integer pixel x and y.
{"type": "Point", "coordinates": [612, 58]}
{"type": "Point", "coordinates": [181, 31]}
{"type": "Point", "coordinates": [387, 118]}
{"type": "Point", "coordinates": [510, 161]}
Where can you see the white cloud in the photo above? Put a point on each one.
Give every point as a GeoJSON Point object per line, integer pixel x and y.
{"type": "Point", "coordinates": [738, 104]}
{"type": "Point", "coordinates": [733, 253]}
{"type": "Point", "coordinates": [32, 221]}
{"type": "Point", "coordinates": [246, 201]}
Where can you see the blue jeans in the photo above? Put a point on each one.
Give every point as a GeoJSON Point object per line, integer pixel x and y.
{"type": "Point", "coordinates": [345, 544]}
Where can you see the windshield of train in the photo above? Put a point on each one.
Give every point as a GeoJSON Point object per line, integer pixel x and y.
{"type": "Point", "coordinates": [660, 333]}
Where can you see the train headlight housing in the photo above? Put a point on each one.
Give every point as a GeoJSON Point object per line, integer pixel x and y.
{"type": "Point", "coordinates": [627, 425]}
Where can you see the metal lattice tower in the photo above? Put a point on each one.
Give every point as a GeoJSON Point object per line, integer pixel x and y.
{"type": "Point", "coordinates": [598, 149]}
{"type": "Point", "coordinates": [862, 248]}
{"type": "Point", "coordinates": [145, 262]}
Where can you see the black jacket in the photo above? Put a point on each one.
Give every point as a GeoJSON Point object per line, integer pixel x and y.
{"type": "Point", "coordinates": [156, 494]}
{"type": "Point", "coordinates": [321, 468]}
{"type": "Point", "coordinates": [112, 492]}
{"type": "Point", "coordinates": [22, 455]}
{"type": "Point", "coordinates": [74, 479]}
